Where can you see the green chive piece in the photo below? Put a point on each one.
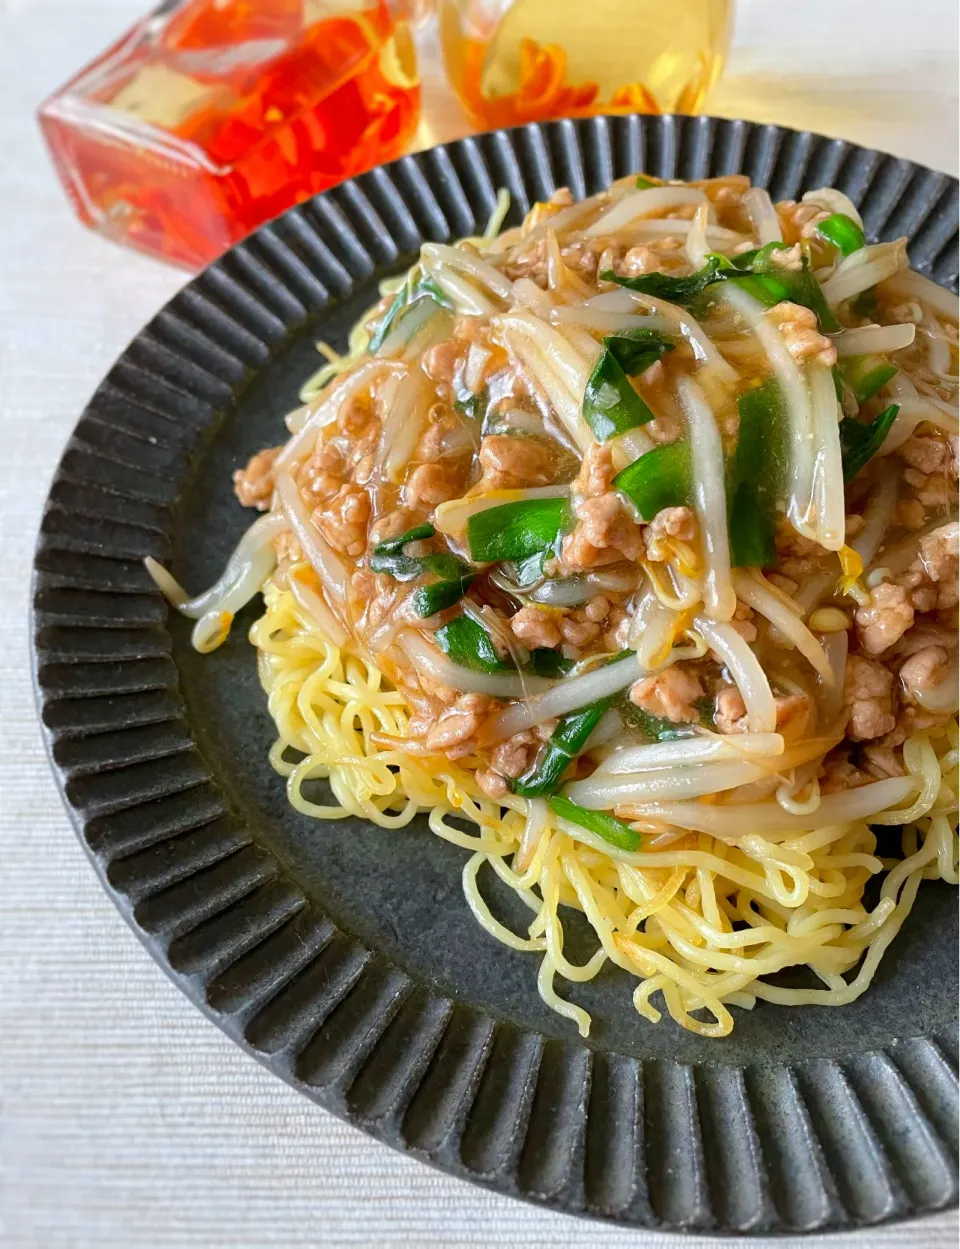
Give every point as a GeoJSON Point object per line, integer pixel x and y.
{"type": "Point", "coordinates": [429, 599]}
{"type": "Point", "coordinates": [658, 479]}
{"type": "Point", "coordinates": [391, 545]}
{"type": "Point", "coordinates": [567, 741]}
{"type": "Point", "coordinates": [843, 232]}
{"type": "Point", "coordinates": [859, 443]}
{"type": "Point", "coordinates": [866, 374]}
{"type": "Point", "coordinates": [469, 645]}
{"type": "Point", "coordinates": [754, 476]}
{"type": "Point", "coordinates": [755, 271]}
{"type": "Point", "coordinates": [606, 826]}
{"type": "Point", "coordinates": [610, 404]}
{"type": "Point", "coordinates": [797, 285]}
{"type": "Point", "coordinates": [764, 289]}
{"type": "Point", "coordinates": [636, 349]}
{"type": "Point", "coordinates": [662, 286]}
{"type": "Point", "coordinates": [548, 663]}
{"type": "Point", "coordinates": [415, 288]}
{"type": "Point", "coordinates": [399, 302]}
{"type": "Point", "coordinates": [865, 304]}
{"type": "Point", "coordinates": [454, 575]}
{"type": "Point", "coordinates": [517, 530]}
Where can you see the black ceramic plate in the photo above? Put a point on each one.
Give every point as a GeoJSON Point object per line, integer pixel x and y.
{"type": "Point", "coordinates": [343, 956]}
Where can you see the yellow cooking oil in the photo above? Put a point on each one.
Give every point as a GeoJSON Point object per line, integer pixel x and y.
{"type": "Point", "coordinates": [511, 63]}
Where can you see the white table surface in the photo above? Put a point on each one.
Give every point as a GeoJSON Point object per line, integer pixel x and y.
{"type": "Point", "coordinates": [129, 1121]}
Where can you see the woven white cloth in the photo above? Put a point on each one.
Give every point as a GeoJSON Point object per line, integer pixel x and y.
{"type": "Point", "coordinates": [129, 1121]}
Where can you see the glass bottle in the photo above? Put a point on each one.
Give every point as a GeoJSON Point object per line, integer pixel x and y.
{"type": "Point", "coordinates": [515, 61]}
{"type": "Point", "coordinates": [211, 116]}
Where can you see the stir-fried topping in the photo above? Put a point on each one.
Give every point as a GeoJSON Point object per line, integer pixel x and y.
{"type": "Point", "coordinates": [631, 528]}
{"type": "Point", "coordinates": [621, 406]}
